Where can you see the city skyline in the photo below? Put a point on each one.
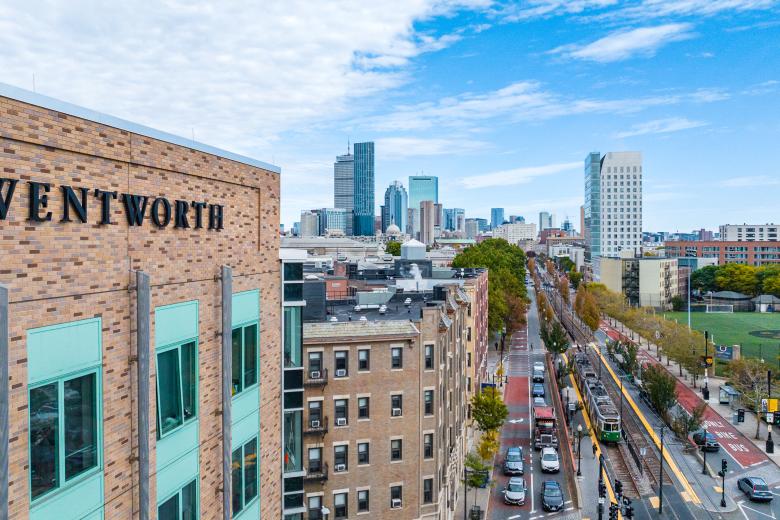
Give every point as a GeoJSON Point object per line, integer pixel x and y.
{"type": "Point", "coordinates": [468, 91]}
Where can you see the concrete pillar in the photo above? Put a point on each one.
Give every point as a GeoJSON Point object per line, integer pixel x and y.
{"type": "Point", "coordinates": [4, 390]}
{"type": "Point", "coordinates": [227, 394]}
{"type": "Point", "coordinates": [143, 311]}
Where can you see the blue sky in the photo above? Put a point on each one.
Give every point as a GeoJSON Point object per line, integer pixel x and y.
{"type": "Point", "coordinates": [501, 100]}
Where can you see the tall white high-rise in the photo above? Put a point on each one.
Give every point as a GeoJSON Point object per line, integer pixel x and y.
{"type": "Point", "coordinates": [546, 221]}
{"type": "Point", "coordinates": [344, 187]}
{"type": "Point", "coordinates": [310, 224]}
{"type": "Point", "coordinates": [613, 205]}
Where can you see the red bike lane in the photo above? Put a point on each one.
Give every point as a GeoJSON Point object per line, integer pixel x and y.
{"type": "Point", "coordinates": [744, 452]}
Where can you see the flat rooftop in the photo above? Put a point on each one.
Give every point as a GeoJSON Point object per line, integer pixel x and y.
{"type": "Point", "coordinates": [358, 329]}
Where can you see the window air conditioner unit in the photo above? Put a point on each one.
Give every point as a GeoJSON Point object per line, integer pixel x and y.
{"type": "Point", "coordinates": [395, 503]}
{"type": "Point", "coordinates": [314, 374]}
{"type": "Point", "coordinates": [315, 423]}
{"type": "Point", "coordinates": [396, 412]}
{"type": "Point", "coordinates": [341, 467]}
{"type": "Point", "coordinates": [341, 372]}
{"type": "Point", "coordinates": [341, 421]}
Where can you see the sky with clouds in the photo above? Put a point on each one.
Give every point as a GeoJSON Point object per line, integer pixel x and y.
{"type": "Point", "coordinates": [502, 100]}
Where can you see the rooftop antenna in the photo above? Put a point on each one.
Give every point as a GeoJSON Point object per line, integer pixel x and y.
{"type": "Point", "coordinates": [348, 146]}
{"type": "Point", "coordinates": [34, 82]}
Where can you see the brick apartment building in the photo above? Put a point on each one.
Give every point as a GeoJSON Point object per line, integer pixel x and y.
{"type": "Point", "coordinates": [387, 409]}
{"type": "Point", "coordinates": [756, 253]}
{"type": "Point", "coordinates": [135, 266]}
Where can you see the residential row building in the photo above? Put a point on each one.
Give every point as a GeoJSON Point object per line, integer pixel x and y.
{"type": "Point", "coordinates": [148, 324]}
{"type": "Point", "coordinates": [758, 253]}
{"type": "Point", "coordinates": [749, 232]}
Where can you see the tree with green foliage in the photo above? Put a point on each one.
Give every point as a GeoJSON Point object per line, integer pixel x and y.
{"type": "Point", "coordinates": [506, 281]}
{"type": "Point", "coordinates": [586, 307]}
{"type": "Point", "coordinates": [749, 378]}
{"type": "Point", "coordinates": [476, 473]}
{"type": "Point", "coordinates": [678, 303]}
{"type": "Point", "coordinates": [488, 409]}
{"type": "Point", "coordinates": [576, 278]}
{"type": "Point", "coordinates": [554, 338]}
{"type": "Point", "coordinates": [704, 279]}
{"type": "Point", "coordinates": [738, 278]}
{"type": "Point", "coordinates": [661, 388]}
{"type": "Point", "coordinates": [393, 248]}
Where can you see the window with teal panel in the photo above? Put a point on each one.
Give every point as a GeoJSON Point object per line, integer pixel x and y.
{"type": "Point", "coordinates": [244, 357]}
{"type": "Point", "coordinates": [244, 476]}
{"type": "Point", "coordinates": [293, 332]}
{"type": "Point", "coordinates": [177, 386]}
{"type": "Point", "coordinates": [64, 431]}
{"type": "Point", "coordinates": [181, 506]}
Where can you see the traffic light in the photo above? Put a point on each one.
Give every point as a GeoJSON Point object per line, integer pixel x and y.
{"type": "Point", "coordinates": [629, 512]}
{"type": "Point", "coordinates": [613, 511]}
{"type": "Point", "coordinates": [618, 487]}
{"type": "Point", "coordinates": [741, 415]}
{"type": "Point", "coordinates": [602, 489]}
{"type": "Point", "coordinates": [724, 466]}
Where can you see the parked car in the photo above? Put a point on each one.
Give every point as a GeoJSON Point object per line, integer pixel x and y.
{"type": "Point", "coordinates": [538, 376]}
{"type": "Point", "coordinates": [513, 461]}
{"type": "Point", "coordinates": [708, 444]}
{"type": "Point", "coordinates": [549, 461]}
{"type": "Point", "coordinates": [552, 496]}
{"type": "Point", "coordinates": [514, 492]}
{"type": "Point", "coordinates": [755, 488]}
{"type": "Point", "coordinates": [539, 401]}
{"type": "Point", "coordinates": [538, 390]}
{"type": "Point", "coordinates": [538, 365]}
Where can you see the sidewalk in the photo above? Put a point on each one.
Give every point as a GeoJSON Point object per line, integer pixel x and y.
{"type": "Point", "coordinates": [738, 439]}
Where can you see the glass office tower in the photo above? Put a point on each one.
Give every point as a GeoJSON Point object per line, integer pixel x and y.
{"type": "Point", "coordinates": [344, 187]}
{"type": "Point", "coordinates": [592, 207]}
{"type": "Point", "coordinates": [395, 207]}
{"type": "Point", "coordinates": [496, 217]}
{"type": "Point", "coordinates": [363, 190]}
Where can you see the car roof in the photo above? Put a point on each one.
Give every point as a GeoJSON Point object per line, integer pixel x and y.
{"type": "Point", "coordinates": [548, 449]}
{"type": "Point", "coordinates": [517, 480]}
{"type": "Point", "coordinates": [756, 480]}
{"type": "Point", "coordinates": [514, 448]}
{"type": "Point", "coordinates": [550, 483]}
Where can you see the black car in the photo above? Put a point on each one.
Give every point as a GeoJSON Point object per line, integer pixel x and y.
{"type": "Point", "coordinates": [552, 496]}
{"type": "Point", "coordinates": [538, 390]}
{"type": "Point", "coordinates": [538, 376]}
{"type": "Point", "coordinates": [708, 444]}
{"type": "Point", "coordinates": [755, 488]}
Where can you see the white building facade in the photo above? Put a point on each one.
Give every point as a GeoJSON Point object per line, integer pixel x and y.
{"type": "Point", "coordinates": [516, 232]}
{"type": "Point", "coordinates": [749, 232]}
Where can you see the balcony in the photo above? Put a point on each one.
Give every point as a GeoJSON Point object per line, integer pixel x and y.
{"type": "Point", "coordinates": [316, 473]}
{"type": "Point", "coordinates": [316, 426]}
{"type": "Point", "coordinates": [316, 378]}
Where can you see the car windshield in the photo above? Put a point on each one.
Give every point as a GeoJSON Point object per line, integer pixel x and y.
{"type": "Point", "coordinates": [515, 488]}
{"type": "Point", "coordinates": [513, 456]}
{"type": "Point", "coordinates": [549, 456]}
{"type": "Point", "coordinates": [552, 491]}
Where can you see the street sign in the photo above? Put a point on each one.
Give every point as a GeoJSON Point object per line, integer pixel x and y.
{"type": "Point", "coordinates": [724, 352]}
{"type": "Point", "coordinates": [769, 405]}
{"type": "Point", "coordinates": [770, 419]}
{"type": "Point", "coordinates": [601, 500]}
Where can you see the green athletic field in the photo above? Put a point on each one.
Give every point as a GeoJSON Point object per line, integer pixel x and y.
{"type": "Point", "coordinates": [758, 333]}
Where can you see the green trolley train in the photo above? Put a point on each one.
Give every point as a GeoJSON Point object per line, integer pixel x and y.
{"type": "Point", "coordinates": [603, 414]}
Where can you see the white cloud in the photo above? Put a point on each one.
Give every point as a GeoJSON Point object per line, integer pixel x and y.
{"type": "Point", "coordinates": [630, 9]}
{"type": "Point", "coordinates": [238, 74]}
{"type": "Point", "coordinates": [520, 101]}
{"type": "Point", "coordinates": [517, 175]}
{"type": "Point", "coordinates": [660, 126]}
{"type": "Point", "coordinates": [624, 44]}
{"type": "Point", "coordinates": [390, 148]}
{"type": "Point", "coordinates": [750, 181]}
{"type": "Point", "coordinates": [544, 8]}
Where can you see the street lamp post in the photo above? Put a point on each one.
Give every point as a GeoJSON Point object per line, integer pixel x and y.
{"type": "Point", "coordinates": [770, 445]}
{"type": "Point", "coordinates": [705, 392]}
{"type": "Point", "coordinates": [579, 450]}
{"type": "Point", "coordinates": [704, 454]}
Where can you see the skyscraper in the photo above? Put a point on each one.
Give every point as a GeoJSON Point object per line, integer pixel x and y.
{"type": "Point", "coordinates": [396, 204]}
{"type": "Point", "coordinates": [310, 224]}
{"type": "Point", "coordinates": [364, 189]}
{"type": "Point", "coordinates": [496, 217]}
{"type": "Point", "coordinates": [422, 187]}
{"type": "Point", "coordinates": [427, 222]}
{"type": "Point", "coordinates": [613, 205]}
{"type": "Point", "coordinates": [343, 186]}
{"type": "Point", "coordinates": [451, 218]}
{"type": "Point", "coordinates": [546, 221]}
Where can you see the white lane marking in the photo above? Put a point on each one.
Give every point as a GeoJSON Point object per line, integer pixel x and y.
{"type": "Point", "coordinates": [512, 517]}
{"type": "Point", "coordinates": [741, 507]}
{"type": "Point", "coordinates": [515, 421]}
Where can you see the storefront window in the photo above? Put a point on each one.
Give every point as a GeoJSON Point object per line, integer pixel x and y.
{"type": "Point", "coordinates": [293, 328]}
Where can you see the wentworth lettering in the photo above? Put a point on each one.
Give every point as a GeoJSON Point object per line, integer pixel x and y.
{"type": "Point", "coordinates": [73, 206]}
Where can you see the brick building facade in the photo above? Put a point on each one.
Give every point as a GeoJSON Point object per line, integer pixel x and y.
{"type": "Point", "coordinates": [73, 185]}
{"type": "Point", "coordinates": [727, 252]}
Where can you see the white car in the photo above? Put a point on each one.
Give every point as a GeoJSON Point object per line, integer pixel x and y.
{"type": "Point", "coordinates": [538, 365]}
{"type": "Point", "coordinates": [514, 492]}
{"type": "Point", "coordinates": [549, 460]}
{"type": "Point", "coordinates": [539, 401]}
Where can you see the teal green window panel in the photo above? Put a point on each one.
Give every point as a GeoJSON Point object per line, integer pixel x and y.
{"type": "Point", "coordinates": [176, 445]}
{"type": "Point", "coordinates": [182, 505]}
{"type": "Point", "coordinates": [293, 335]}
{"type": "Point", "coordinates": [83, 500]}
{"type": "Point", "coordinates": [176, 475]}
{"type": "Point", "coordinates": [244, 474]}
{"type": "Point", "coordinates": [246, 307]}
{"type": "Point", "coordinates": [177, 386]}
{"type": "Point", "coordinates": [245, 369]}
{"type": "Point", "coordinates": [245, 404]}
{"type": "Point", "coordinates": [177, 323]}
{"type": "Point", "coordinates": [63, 349]}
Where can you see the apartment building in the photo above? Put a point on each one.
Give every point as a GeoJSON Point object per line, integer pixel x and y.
{"type": "Point", "coordinates": [140, 282]}
{"type": "Point", "coordinates": [386, 409]}
{"type": "Point", "coordinates": [749, 232]}
{"type": "Point", "coordinates": [726, 252]}
{"type": "Point", "coordinates": [645, 281]}
{"type": "Point", "coordinates": [516, 232]}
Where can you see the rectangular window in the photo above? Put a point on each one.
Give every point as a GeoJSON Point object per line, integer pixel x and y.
{"type": "Point", "coordinates": [428, 491]}
{"type": "Point", "coordinates": [363, 408]}
{"type": "Point", "coordinates": [396, 449]}
{"type": "Point", "coordinates": [177, 387]}
{"type": "Point", "coordinates": [396, 405]}
{"type": "Point", "coordinates": [315, 460]}
{"type": "Point", "coordinates": [364, 359]}
{"type": "Point", "coordinates": [315, 365]}
{"type": "Point", "coordinates": [315, 413]}
{"type": "Point", "coordinates": [341, 411]}
{"type": "Point", "coordinates": [428, 357]}
{"type": "Point", "coordinates": [396, 357]}
{"type": "Point", "coordinates": [244, 358]}
{"type": "Point", "coordinates": [293, 272]}
{"type": "Point", "coordinates": [363, 453]}
{"type": "Point", "coordinates": [293, 442]}
{"type": "Point", "coordinates": [244, 475]}
{"type": "Point", "coordinates": [315, 508]}
{"type": "Point", "coordinates": [181, 506]}
{"type": "Point", "coordinates": [396, 496]}
{"type": "Point", "coordinates": [293, 332]}
{"type": "Point", "coordinates": [428, 446]}
{"type": "Point", "coordinates": [363, 501]}
{"type": "Point", "coordinates": [340, 505]}
{"type": "Point", "coordinates": [341, 358]}
{"type": "Point", "coordinates": [340, 457]}
{"type": "Point", "coordinates": [63, 420]}
{"type": "Point", "coordinates": [429, 402]}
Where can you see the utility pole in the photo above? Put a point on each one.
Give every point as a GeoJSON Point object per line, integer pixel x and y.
{"type": "Point", "coordinates": [705, 392]}
{"type": "Point", "coordinates": [770, 445]}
